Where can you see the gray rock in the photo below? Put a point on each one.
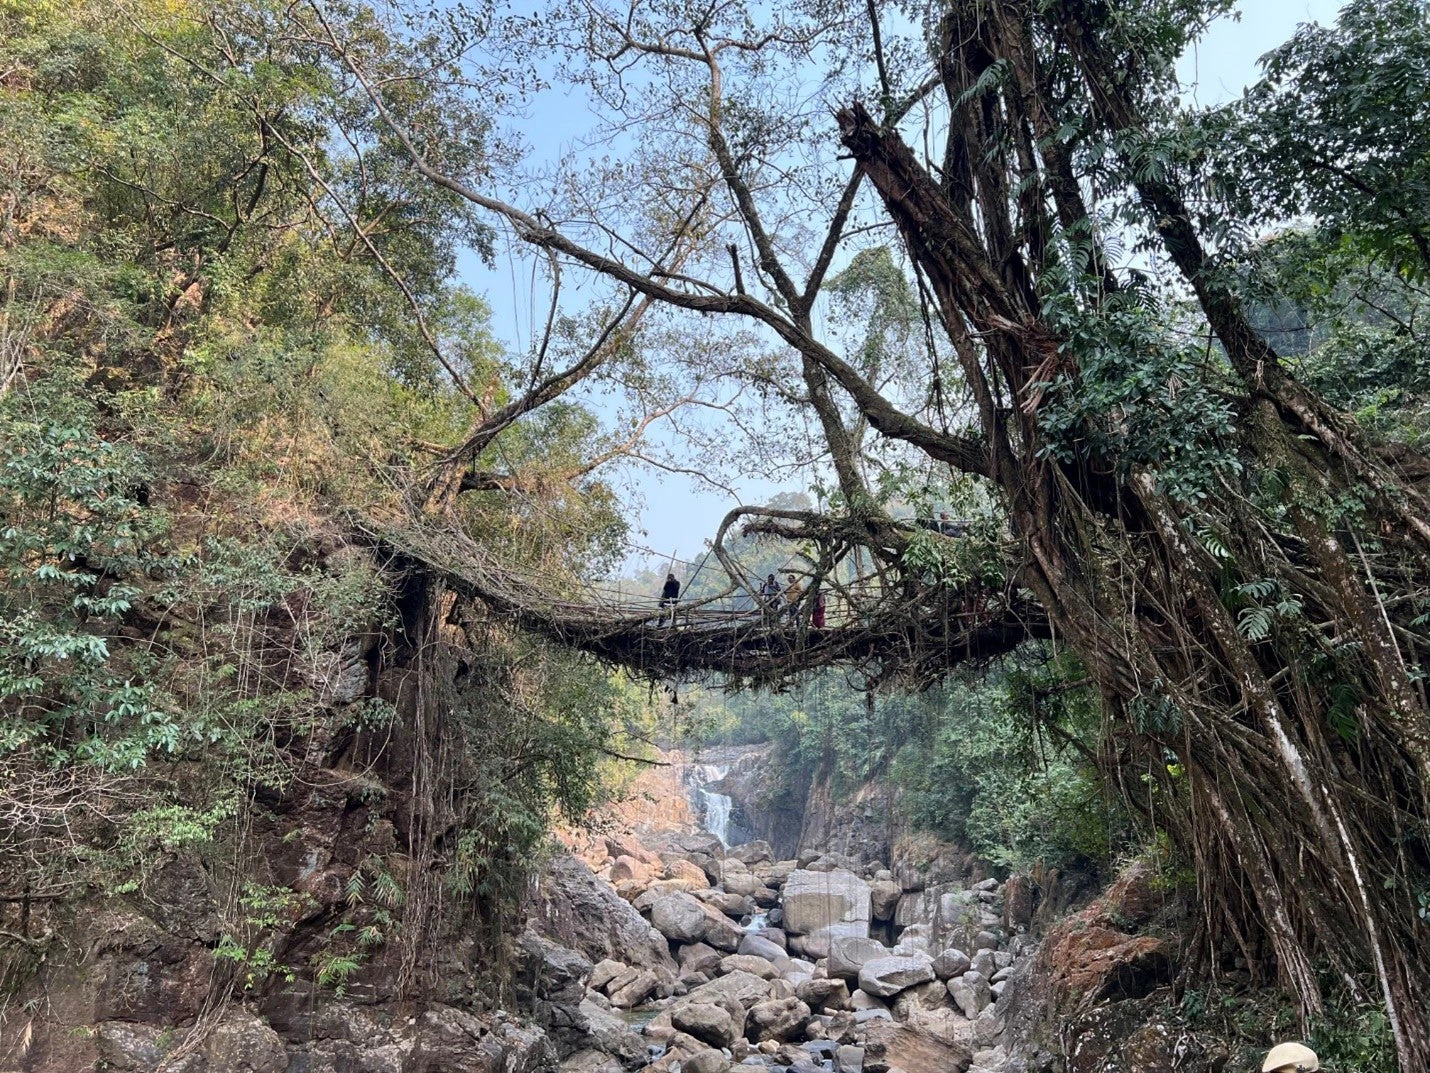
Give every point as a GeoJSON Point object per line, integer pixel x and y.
{"type": "Point", "coordinates": [608, 1032]}
{"type": "Point", "coordinates": [604, 972]}
{"type": "Point", "coordinates": [707, 1061]}
{"type": "Point", "coordinates": [987, 1028]}
{"type": "Point", "coordinates": [848, 954]}
{"type": "Point", "coordinates": [732, 905]}
{"type": "Point", "coordinates": [723, 933]}
{"type": "Point", "coordinates": [699, 957]}
{"type": "Point", "coordinates": [680, 918]}
{"type": "Point", "coordinates": [863, 1017]}
{"type": "Point", "coordinates": [588, 1060]}
{"type": "Point", "coordinates": [862, 1000]}
{"type": "Point", "coordinates": [581, 911]}
{"type": "Point", "coordinates": [985, 940]}
{"type": "Point", "coordinates": [776, 1019]}
{"type": "Point", "coordinates": [824, 994]}
{"type": "Point", "coordinates": [736, 993]}
{"type": "Point", "coordinates": [741, 883]}
{"type": "Point", "coordinates": [987, 884]}
{"type": "Point", "coordinates": [760, 947]}
{"type": "Point", "coordinates": [815, 900]}
{"type": "Point", "coordinates": [997, 988]}
{"type": "Point", "coordinates": [983, 962]}
{"type": "Point", "coordinates": [125, 1045]}
{"type": "Point", "coordinates": [626, 993]}
{"type": "Point", "coordinates": [884, 895]}
{"type": "Point", "coordinates": [849, 1059]}
{"type": "Point", "coordinates": [449, 1038]}
{"type": "Point", "coordinates": [920, 999]}
{"type": "Point", "coordinates": [1002, 959]}
{"type": "Point", "coordinates": [951, 963]}
{"type": "Point", "coordinates": [971, 993]}
{"type": "Point", "coordinates": [817, 944]}
{"type": "Point", "coordinates": [757, 966]}
{"type": "Point", "coordinates": [708, 1023]}
{"type": "Point", "coordinates": [887, 976]}
{"type": "Point", "coordinates": [751, 852]}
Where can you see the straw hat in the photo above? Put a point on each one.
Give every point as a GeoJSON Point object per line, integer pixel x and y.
{"type": "Point", "coordinates": [1290, 1058]}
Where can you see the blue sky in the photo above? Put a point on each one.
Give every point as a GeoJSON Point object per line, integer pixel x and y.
{"type": "Point", "coordinates": [677, 514]}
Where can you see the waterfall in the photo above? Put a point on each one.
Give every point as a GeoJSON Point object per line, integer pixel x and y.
{"type": "Point", "coordinates": [714, 808]}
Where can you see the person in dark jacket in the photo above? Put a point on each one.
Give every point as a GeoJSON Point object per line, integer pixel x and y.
{"type": "Point", "coordinates": [670, 591]}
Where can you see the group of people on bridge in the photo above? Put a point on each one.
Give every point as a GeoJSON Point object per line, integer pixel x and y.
{"type": "Point", "coordinates": [776, 601]}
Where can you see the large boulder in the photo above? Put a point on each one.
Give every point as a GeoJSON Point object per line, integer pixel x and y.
{"type": "Point", "coordinates": [678, 868]}
{"type": "Point", "coordinates": [699, 957]}
{"type": "Point", "coordinates": [627, 870]}
{"type": "Point", "coordinates": [680, 918]}
{"type": "Point", "coordinates": [576, 909]}
{"type": "Point", "coordinates": [817, 944]}
{"type": "Point", "coordinates": [608, 1033]}
{"type": "Point", "coordinates": [923, 1046]}
{"type": "Point", "coordinates": [446, 1038]}
{"type": "Point", "coordinates": [921, 999]}
{"type": "Point", "coordinates": [971, 993]}
{"type": "Point", "coordinates": [885, 977]}
{"type": "Point", "coordinates": [732, 905]}
{"type": "Point", "coordinates": [707, 1061]}
{"type": "Point", "coordinates": [823, 993]}
{"type": "Point", "coordinates": [708, 1023]}
{"type": "Point", "coordinates": [884, 895]}
{"type": "Point", "coordinates": [847, 955]}
{"type": "Point", "coordinates": [756, 966]}
{"type": "Point", "coordinates": [742, 883]}
{"type": "Point", "coordinates": [951, 963]}
{"type": "Point", "coordinates": [761, 947]}
{"type": "Point", "coordinates": [632, 988]}
{"type": "Point", "coordinates": [241, 1043]}
{"type": "Point", "coordinates": [722, 933]}
{"type": "Point", "coordinates": [813, 901]}
{"type": "Point", "coordinates": [736, 992]}
{"type": "Point", "coordinates": [776, 1019]}
{"type": "Point", "coordinates": [751, 852]}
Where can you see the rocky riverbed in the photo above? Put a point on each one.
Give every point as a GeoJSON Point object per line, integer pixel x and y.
{"type": "Point", "coordinates": [820, 964]}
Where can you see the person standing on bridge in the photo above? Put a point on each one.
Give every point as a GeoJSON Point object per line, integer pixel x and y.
{"type": "Point", "coordinates": [816, 617]}
{"type": "Point", "coordinates": [670, 591]}
{"type": "Point", "coordinates": [770, 596]}
{"type": "Point", "coordinates": [670, 594]}
{"type": "Point", "coordinates": [793, 591]}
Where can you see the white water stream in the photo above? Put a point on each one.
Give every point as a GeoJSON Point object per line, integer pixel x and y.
{"type": "Point", "coordinates": [714, 808]}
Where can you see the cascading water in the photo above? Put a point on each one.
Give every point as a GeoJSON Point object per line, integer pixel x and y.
{"type": "Point", "coordinates": [714, 807]}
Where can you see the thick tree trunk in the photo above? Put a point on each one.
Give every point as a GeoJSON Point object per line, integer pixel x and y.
{"type": "Point", "coordinates": [1284, 815]}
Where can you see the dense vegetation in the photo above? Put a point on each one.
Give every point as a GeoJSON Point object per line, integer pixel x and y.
{"type": "Point", "coordinates": [209, 371]}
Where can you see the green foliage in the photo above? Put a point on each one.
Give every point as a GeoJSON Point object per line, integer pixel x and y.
{"type": "Point", "coordinates": [76, 542]}
{"type": "Point", "coordinates": [999, 763]}
{"type": "Point", "coordinates": [1335, 130]}
{"type": "Point", "coordinates": [1355, 1038]}
{"type": "Point", "coordinates": [1126, 395]}
{"type": "Point", "coordinates": [991, 776]}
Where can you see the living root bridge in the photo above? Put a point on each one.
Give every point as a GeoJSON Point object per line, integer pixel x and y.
{"type": "Point", "coordinates": [913, 637]}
